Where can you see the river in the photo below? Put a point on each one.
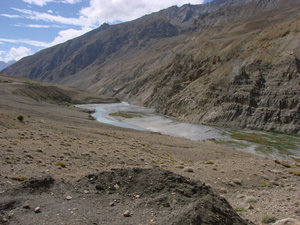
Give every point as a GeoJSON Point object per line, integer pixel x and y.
{"type": "Point", "coordinates": [144, 119]}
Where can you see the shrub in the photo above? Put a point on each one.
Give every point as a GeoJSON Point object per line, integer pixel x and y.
{"type": "Point", "coordinates": [62, 164]}
{"type": "Point", "coordinates": [20, 118]}
{"type": "Point", "coordinates": [269, 219]}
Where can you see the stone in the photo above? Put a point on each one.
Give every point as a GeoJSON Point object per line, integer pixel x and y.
{"type": "Point", "coordinates": [166, 204]}
{"type": "Point", "coordinates": [287, 221]}
{"type": "Point", "coordinates": [223, 190]}
{"type": "Point", "coordinates": [127, 213]}
{"type": "Point", "coordinates": [111, 204]}
{"type": "Point", "coordinates": [189, 170]}
{"type": "Point", "coordinates": [250, 199]}
{"type": "Point", "coordinates": [240, 196]}
{"type": "Point", "coordinates": [26, 206]}
{"type": "Point", "coordinates": [237, 181]}
{"type": "Point", "coordinates": [69, 197]}
{"type": "Point", "coordinates": [37, 209]}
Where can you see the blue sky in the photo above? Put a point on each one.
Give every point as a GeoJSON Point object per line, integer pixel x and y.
{"type": "Point", "coordinates": [28, 26]}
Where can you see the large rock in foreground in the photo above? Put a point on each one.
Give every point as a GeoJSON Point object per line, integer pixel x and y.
{"type": "Point", "coordinates": [148, 196]}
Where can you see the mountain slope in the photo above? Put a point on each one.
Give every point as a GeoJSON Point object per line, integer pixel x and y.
{"type": "Point", "coordinates": [228, 62]}
{"type": "Point", "coordinates": [3, 65]}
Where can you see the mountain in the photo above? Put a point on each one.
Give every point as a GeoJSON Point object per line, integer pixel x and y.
{"type": "Point", "coordinates": [3, 65]}
{"type": "Point", "coordinates": [19, 90]}
{"type": "Point", "coordinates": [232, 63]}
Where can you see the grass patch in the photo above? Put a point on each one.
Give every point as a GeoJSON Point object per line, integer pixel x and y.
{"type": "Point", "coordinates": [266, 183]}
{"type": "Point", "coordinates": [32, 83]}
{"type": "Point", "coordinates": [269, 219]}
{"type": "Point", "coordinates": [240, 209]}
{"type": "Point", "coordinates": [270, 140]}
{"type": "Point", "coordinates": [125, 115]}
{"type": "Point", "coordinates": [61, 164]}
{"type": "Point", "coordinates": [295, 173]}
{"type": "Point", "coordinates": [235, 144]}
{"type": "Point", "coordinates": [19, 177]}
{"type": "Point", "coordinates": [264, 149]}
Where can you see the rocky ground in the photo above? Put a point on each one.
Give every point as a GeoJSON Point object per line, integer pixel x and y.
{"type": "Point", "coordinates": [62, 144]}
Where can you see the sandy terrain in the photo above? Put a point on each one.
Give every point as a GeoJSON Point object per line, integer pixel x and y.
{"type": "Point", "coordinates": [64, 143]}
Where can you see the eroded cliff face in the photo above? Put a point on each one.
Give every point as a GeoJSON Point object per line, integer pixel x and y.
{"type": "Point", "coordinates": [251, 80]}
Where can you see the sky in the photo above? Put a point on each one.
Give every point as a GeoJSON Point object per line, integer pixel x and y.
{"type": "Point", "coordinates": [28, 26]}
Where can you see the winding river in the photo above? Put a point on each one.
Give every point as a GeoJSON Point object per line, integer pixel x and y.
{"type": "Point", "coordinates": [144, 119]}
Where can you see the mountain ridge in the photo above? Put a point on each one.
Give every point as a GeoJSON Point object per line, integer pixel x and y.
{"type": "Point", "coordinates": [158, 59]}
{"type": "Point", "coordinates": [3, 64]}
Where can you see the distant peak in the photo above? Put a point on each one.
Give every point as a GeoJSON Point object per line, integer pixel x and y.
{"type": "Point", "coordinates": [104, 26]}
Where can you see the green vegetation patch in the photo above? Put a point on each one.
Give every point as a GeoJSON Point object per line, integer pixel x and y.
{"type": "Point", "coordinates": [269, 219]}
{"type": "Point", "coordinates": [235, 144]}
{"type": "Point", "coordinates": [240, 209]}
{"type": "Point", "coordinates": [19, 177]}
{"type": "Point", "coordinates": [270, 140]}
{"type": "Point", "coordinates": [126, 115]}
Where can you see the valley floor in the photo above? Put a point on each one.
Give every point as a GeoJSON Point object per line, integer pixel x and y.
{"type": "Point", "coordinates": [64, 142]}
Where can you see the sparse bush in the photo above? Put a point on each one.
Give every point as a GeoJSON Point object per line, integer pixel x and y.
{"type": "Point", "coordinates": [240, 209]}
{"type": "Point", "coordinates": [19, 177]}
{"type": "Point", "coordinates": [62, 164]}
{"type": "Point", "coordinates": [269, 219]}
{"type": "Point", "coordinates": [20, 118]}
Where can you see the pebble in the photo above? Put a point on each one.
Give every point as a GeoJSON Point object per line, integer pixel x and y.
{"type": "Point", "coordinates": [237, 181]}
{"type": "Point", "coordinates": [112, 204]}
{"type": "Point", "coordinates": [189, 170]}
{"type": "Point", "coordinates": [37, 209]}
{"type": "Point", "coordinates": [127, 213]}
{"type": "Point", "coordinates": [26, 206]}
{"type": "Point", "coordinates": [250, 199]}
{"type": "Point", "coordinates": [166, 204]}
{"type": "Point", "coordinates": [287, 221]}
{"type": "Point", "coordinates": [240, 196]}
{"type": "Point", "coordinates": [68, 197]}
{"type": "Point", "coordinates": [223, 190]}
{"type": "Point", "coordinates": [116, 186]}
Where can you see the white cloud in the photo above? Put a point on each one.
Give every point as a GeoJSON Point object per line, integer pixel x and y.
{"type": "Point", "coordinates": [68, 34]}
{"type": "Point", "coordinates": [124, 10]}
{"type": "Point", "coordinates": [37, 26]}
{"type": "Point", "coordinates": [25, 41]}
{"type": "Point", "coordinates": [35, 15]}
{"type": "Point", "coordinates": [16, 54]}
{"type": "Point", "coordinates": [10, 15]}
{"type": "Point", "coordinates": [44, 2]}
{"type": "Point", "coordinates": [98, 12]}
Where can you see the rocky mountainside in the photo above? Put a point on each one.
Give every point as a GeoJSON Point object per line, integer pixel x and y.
{"type": "Point", "coordinates": [228, 63]}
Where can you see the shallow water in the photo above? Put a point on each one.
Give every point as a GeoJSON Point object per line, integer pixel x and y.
{"type": "Point", "coordinates": [150, 121]}
{"type": "Point", "coordinates": [147, 120]}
